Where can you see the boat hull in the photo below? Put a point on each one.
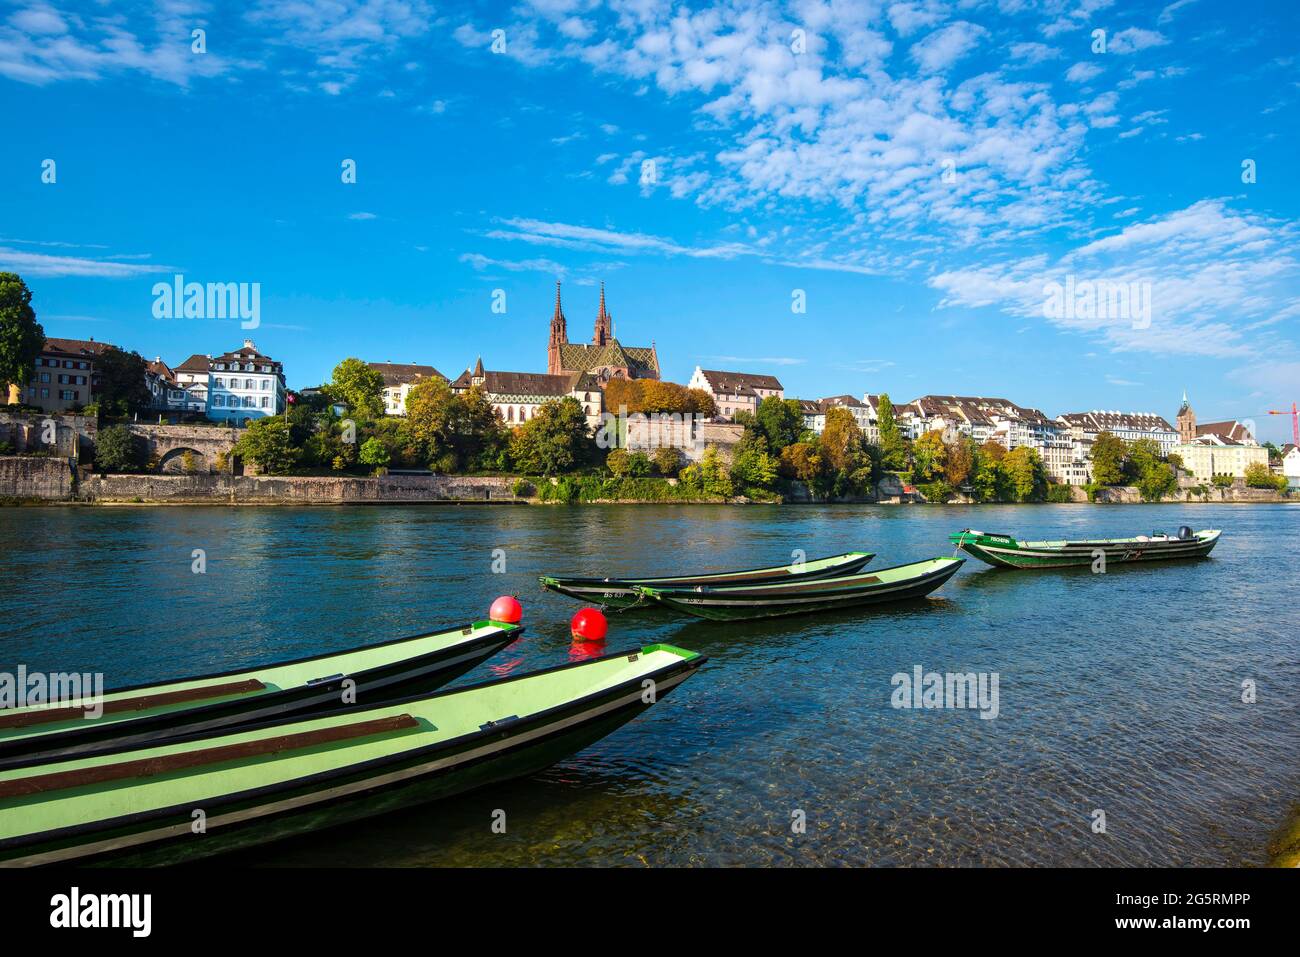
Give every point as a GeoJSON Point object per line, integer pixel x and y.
{"type": "Point", "coordinates": [1024, 555]}
{"type": "Point", "coordinates": [720, 606]}
{"type": "Point", "coordinates": [396, 678]}
{"type": "Point", "coordinates": [621, 594]}
{"type": "Point", "coordinates": [500, 751]}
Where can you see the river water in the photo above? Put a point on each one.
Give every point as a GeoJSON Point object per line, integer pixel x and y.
{"type": "Point", "coordinates": [1118, 693]}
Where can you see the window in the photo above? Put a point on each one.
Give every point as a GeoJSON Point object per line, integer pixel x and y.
{"type": "Point", "coordinates": [45, 377]}
{"type": "Point", "coordinates": [266, 402]}
{"type": "Point", "coordinates": [220, 382]}
{"type": "Point", "coordinates": [218, 400]}
{"type": "Point", "coordinates": [248, 402]}
{"type": "Point", "coordinates": [248, 384]}
{"type": "Point", "coordinates": [68, 395]}
{"type": "Point", "coordinates": [45, 393]}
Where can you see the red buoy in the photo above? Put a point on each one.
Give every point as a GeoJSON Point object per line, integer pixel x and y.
{"type": "Point", "coordinates": [589, 625]}
{"type": "Point", "coordinates": [507, 609]}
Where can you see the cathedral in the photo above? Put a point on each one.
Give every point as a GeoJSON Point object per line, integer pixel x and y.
{"type": "Point", "coordinates": [604, 357]}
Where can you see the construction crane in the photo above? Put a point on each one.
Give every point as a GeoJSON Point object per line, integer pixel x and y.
{"type": "Point", "coordinates": [1295, 423]}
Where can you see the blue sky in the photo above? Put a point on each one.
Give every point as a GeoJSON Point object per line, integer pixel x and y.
{"type": "Point", "coordinates": [921, 171]}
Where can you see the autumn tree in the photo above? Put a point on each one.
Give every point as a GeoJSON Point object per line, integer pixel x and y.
{"type": "Point", "coordinates": [959, 461]}
{"type": "Point", "coordinates": [928, 457]}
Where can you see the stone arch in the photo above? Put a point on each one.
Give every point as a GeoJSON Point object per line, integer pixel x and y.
{"type": "Point", "coordinates": [173, 461]}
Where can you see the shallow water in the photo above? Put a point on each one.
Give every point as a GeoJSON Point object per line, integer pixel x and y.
{"type": "Point", "coordinates": [1118, 692]}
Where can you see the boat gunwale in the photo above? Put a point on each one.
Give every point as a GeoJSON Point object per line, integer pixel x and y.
{"type": "Point", "coordinates": [632, 583]}
{"type": "Point", "coordinates": [507, 626]}
{"type": "Point", "coordinates": [1012, 544]}
{"type": "Point", "coordinates": [736, 590]}
{"type": "Point", "coordinates": [687, 662]}
{"type": "Point", "coordinates": [12, 758]}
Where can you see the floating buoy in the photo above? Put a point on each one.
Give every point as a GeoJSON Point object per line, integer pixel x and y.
{"type": "Point", "coordinates": [589, 625]}
{"type": "Point", "coordinates": [507, 609]}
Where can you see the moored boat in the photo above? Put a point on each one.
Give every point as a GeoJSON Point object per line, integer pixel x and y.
{"type": "Point", "coordinates": [280, 779]}
{"type": "Point", "coordinates": [146, 713]}
{"type": "Point", "coordinates": [740, 602]}
{"type": "Point", "coordinates": [622, 592]}
{"type": "Point", "coordinates": [1004, 551]}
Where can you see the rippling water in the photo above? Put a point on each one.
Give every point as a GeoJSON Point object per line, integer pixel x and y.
{"type": "Point", "coordinates": [1119, 692]}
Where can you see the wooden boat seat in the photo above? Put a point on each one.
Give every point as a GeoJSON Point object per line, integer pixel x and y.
{"type": "Point", "coordinates": [164, 764]}
{"type": "Point", "coordinates": [27, 719]}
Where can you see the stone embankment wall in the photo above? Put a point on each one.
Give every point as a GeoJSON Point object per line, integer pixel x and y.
{"type": "Point", "coordinates": [1128, 495]}
{"type": "Point", "coordinates": [295, 490]}
{"type": "Point", "coordinates": [36, 478]}
{"type": "Point", "coordinates": [73, 435]}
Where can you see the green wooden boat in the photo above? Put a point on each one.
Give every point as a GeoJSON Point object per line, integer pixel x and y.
{"type": "Point", "coordinates": [143, 714]}
{"type": "Point", "coordinates": [740, 602]}
{"type": "Point", "coordinates": [281, 779]}
{"type": "Point", "coordinates": [1003, 551]}
{"type": "Point", "coordinates": [623, 592]}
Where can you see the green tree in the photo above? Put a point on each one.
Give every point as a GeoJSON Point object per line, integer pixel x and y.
{"type": "Point", "coordinates": [476, 431]}
{"type": "Point", "coordinates": [928, 457]}
{"type": "Point", "coordinates": [359, 386]}
{"type": "Point", "coordinates": [267, 444]}
{"type": "Point", "coordinates": [430, 411]}
{"type": "Point", "coordinates": [1258, 475]}
{"type": "Point", "coordinates": [779, 421]}
{"type": "Point", "coordinates": [21, 336]}
{"type": "Point", "coordinates": [752, 466]}
{"type": "Point", "coordinates": [121, 389]}
{"type": "Point", "coordinates": [556, 439]}
{"type": "Point", "coordinates": [803, 461]}
{"type": "Point", "coordinates": [893, 447]}
{"type": "Point", "coordinates": [375, 452]}
{"type": "Point", "coordinates": [849, 464]}
{"type": "Point", "coordinates": [714, 474]}
{"type": "Point", "coordinates": [1108, 457]}
{"type": "Point", "coordinates": [118, 450]}
{"type": "Point", "coordinates": [1026, 477]}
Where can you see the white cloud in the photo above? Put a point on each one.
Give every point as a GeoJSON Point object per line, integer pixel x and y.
{"type": "Point", "coordinates": [1134, 39]}
{"type": "Point", "coordinates": [945, 47]}
{"type": "Point", "coordinates": [1082, 72]}
{"type": "Point", "coordinates": [40, 264]}
{"type": "Point", "coordinates": [1215, 275]}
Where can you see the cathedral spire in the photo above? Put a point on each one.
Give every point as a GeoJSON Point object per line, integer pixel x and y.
{"type": "Point", "coordinates": [603, 332]}
{"type": "Point", "coordinates": [559, 336]}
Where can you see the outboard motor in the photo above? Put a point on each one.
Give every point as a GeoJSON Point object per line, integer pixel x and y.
{"type": "Point", "coordinates": [1185, 532]}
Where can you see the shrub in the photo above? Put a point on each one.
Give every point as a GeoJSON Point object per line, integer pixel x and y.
{"type": "Point", "coordinates": [1222, 481]}
{"type": "Point", "coordinates": [1057, 493]}
{"type": "Point", "coordinates": [667, 461]}
{"type": "Point", "coordinates": [522, 488]}
{"type": "Point", "coordinates": [117, 450]}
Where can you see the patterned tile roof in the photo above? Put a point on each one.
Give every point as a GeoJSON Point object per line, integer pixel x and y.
{"type": "Point", "coordinates": [583, 357]}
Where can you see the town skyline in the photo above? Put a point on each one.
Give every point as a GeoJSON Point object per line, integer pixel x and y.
{"type": "Point", "coordinates": [912, 176]}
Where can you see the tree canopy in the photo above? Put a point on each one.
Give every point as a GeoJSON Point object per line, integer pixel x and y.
{"type": "Point", "coordinates": [555, 440]}
{"type": "Point", "coordinates": [121, 389]}
{"type": "Point", "coordinates": [21, 336]}
{"type": "Point", "coordinates": [359, 386]}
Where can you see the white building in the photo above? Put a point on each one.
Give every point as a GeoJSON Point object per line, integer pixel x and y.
{"type": "Point", "coordinates": [517, 396]}
{"type": "Point", "coordinates": [1214, 454]}
{"type": "Point", "coordinates": [193, 376]}
{"type": "Point", "coordinates": [399, 378]}
{"type": "Point", "coordinates": [982, 418]}
{"type": "Point", "coordinates": [1129, 426]}
{"type": "Point", "coordinates": [735, 392]}
{"type": "Point", "coordinates": [1291, 464]}
{"type": "Point", "coordinates": [245, 385]}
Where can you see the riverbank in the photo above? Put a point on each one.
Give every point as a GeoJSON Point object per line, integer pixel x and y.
{"type": "Point", "coordinates": [53, 480]}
